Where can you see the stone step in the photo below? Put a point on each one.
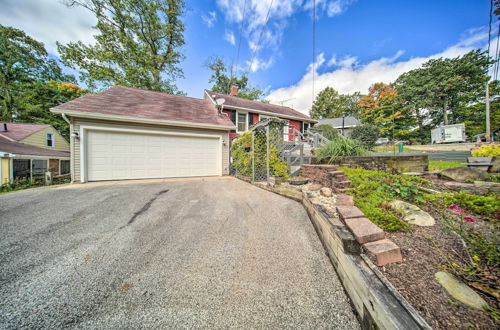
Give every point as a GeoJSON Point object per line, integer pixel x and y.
{"type": "Point", "coordinates": [341, 177]}
{"type": "Point", "coordinates": [384, 251]}
{"type": "Point", "coordinates": [364, 230]}
{"type": "Point", "coordinates": [349, 212]}
{"type": "Point", "coordinates": [340, 190]}
{"type": "Point", "coordinates": [342, 184]}
{"type": "Point", "coordinates": [335, 173]}
{"type": "Point", "coordinates": [345, 200]}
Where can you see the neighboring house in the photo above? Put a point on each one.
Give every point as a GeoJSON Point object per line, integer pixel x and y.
{"type": "Point", "coordinates": [244, 113]}
{"type": "Point", "coordinates": [343, 124]}
{"type": "Point", "coordinates": [30, 150]}
{"type": "Point", "coordinates": [129, 133]}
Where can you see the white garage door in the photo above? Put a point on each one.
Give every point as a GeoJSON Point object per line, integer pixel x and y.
{"type": "Point", "coordinates": [120, 155]}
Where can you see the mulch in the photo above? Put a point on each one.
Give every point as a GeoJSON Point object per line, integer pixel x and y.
{"type": "Point", "coordinates": [427, 250]}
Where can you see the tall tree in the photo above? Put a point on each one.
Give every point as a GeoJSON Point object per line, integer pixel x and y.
{"type": "Point", "coordinates": [330, 104]}
{"type": "Point", "coordinates": [137, 45]}
{"type": "Point", "coordinates": [222, 81]}
{"type": "Point", "coordinates": [382, 109]}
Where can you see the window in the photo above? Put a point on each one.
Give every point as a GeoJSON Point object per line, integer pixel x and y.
{"type": "Point", "coordinates": [64, 167]}
{"type": "Point", "coordinates": [50, 140]}
{"type": "Point", "coordinates": [241, 122]}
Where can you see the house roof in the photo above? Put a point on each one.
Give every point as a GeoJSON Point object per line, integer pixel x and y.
{"type": "Point", "coordinates": [337, 122]}
{"type": "Point", "coordinates": [18, 131]}
{"type": "Point", "coordinates": [149, 105]}
{"type": "Point", "coordinates": [238, 102]}
{"type": "Point", "coordinates": [18, 148]}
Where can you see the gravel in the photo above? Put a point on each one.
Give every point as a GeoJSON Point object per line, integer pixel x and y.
{"type": "Point", "coordinates": [184, 254]}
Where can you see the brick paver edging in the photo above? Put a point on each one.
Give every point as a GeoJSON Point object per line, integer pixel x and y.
{"type": "Point", "coordinates": [376, 301]}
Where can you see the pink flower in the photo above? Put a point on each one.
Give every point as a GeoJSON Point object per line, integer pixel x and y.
{"type": "Point", "coordinates": [469, 219]}
{"type": "Point", "coordinates": [453, 206]}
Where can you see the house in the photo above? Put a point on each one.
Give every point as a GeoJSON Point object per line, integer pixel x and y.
{"type": "Point", "coordinates": [343, 124]}
{"type": "Point", "coordinates": [129, 133]}
{"type": "Point", "coordinates": [244, 113]}
{"type": "Point", "coordinates": [30, 150]}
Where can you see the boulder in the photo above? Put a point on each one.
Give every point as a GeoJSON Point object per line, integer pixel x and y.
{"type": "Point", "coordinates": [460, 291]}
{"type": "Point", "coordinates": [413, 214]}
{"type": "Point", "coordinates": [314, 187]}
{"type": "Point", "coordinates": [463, 174]}
{"type": "Point", "coordinates": [325, 191]}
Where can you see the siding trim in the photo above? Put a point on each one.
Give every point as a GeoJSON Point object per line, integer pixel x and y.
{"type": "Point", "coordinates": [85, 128]}
{"type": "Point", "coordinates": [88, 115]}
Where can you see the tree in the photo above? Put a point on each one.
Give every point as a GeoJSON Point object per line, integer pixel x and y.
{"type": "Point", "coordinates": [138, 44]}
{"type": "Point", "coordinates": [330, 104]}
{"type": "Point", "coordinates": [367, 134]}
{"type": "Point", "coordinates": [382, 108]}
{"type": "Point", "coordinates": [326, 130]}
{"type": "Point", "coordinates": [222, 81]}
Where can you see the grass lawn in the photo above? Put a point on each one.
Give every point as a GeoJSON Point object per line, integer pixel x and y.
{"type": "Point", "coordinates": [437, 165]}
{"type": "Point", "coordinates": [391, 149]}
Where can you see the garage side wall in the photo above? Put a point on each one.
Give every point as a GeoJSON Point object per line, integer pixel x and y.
{"type": "Point", "coordinates": [78, 122]}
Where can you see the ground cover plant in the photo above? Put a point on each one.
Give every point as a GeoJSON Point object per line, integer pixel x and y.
{"type": "Point", "coordinates": [19, 184]}
{"type": "Point", "coordinates": [464, 242]}
{"type": "Point", "coordinates": [438, 165]}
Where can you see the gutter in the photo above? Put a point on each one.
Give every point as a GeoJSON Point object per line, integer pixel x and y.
{"type": "Point", "coordinates": [83, 114]}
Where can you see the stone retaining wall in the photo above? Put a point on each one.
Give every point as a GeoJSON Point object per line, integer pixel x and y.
{"type": "Point", "coordinates": [391, 164]}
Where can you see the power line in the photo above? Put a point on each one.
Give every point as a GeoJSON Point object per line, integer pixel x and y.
{"type": "Point", "coordinates": [239, 42]}
{"type": "Point", "coordinates": [313, 48]}
{"type": "Point", "coordinates": [259, 40]}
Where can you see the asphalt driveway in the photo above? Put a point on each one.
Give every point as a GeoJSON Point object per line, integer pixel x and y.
{"type": "Point", "coordinates": [181, 254]}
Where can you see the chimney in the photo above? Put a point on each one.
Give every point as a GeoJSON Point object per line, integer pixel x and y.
{"type": "Point", "coordinates": [234, 90]}
{"type": "Point", "coordinates": [5, 127]}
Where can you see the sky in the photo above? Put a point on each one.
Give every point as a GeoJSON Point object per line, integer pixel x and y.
{"type": "Point", "coordinates": [357, 43]}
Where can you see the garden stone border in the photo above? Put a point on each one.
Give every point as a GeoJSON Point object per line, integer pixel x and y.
{"type": "Point", "coordinates": [377, 302]}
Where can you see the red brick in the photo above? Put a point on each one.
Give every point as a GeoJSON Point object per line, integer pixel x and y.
{"type": "Point", "coordinates": [364, 230]}
{"type": "Point", "coordinates": [345, 200]}
{"type": "Point", "coordinates": [342, 184]}
{"type": "Point", "coordinates": [384, 251]}
{"type": "Point", "coordinates": [336, 173]}
{"type": "Point", "coordinates": [349, 212]}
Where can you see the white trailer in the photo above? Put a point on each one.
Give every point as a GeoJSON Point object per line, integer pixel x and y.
{"type": "Point", "coordinates": [448, 134]}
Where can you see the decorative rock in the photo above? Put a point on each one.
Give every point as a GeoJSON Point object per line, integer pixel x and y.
{"type": "Point", "coordinates": [364, 230]}
{"type": "Point", "coordinates": [459, 290]}
{"type": "Point", "coordinates": [349, 212]}
{"type": "Point", "coordinates": [384, 251]}
{"type": "Point", "coordinates": [413, 214]}
{"type": "Point", "coordinates": [463, 174]}
{"type": "Point", "coordinates": [297, 182]}
{"type": "Point", "coordinates": [314, 187]}
{"type": "Point", "coordinates": [325, 191]}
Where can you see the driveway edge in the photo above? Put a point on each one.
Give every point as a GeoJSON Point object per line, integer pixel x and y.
{"type": "Point", "coordinates": [375, 299]}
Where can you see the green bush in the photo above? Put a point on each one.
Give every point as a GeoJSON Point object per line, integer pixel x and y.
{"type": "Point", "coordinates": [18, 184]}
{"type": "Point", "coordinates": [367, 134]}
{"type": "Point", "coordinates": [372, 190]}
{"type": "Point", "coordinates": [241, 154]}
{"type": "Point", "coordinates": [340, 147]}
{"type": "Point", "coordinates": [326, 130]}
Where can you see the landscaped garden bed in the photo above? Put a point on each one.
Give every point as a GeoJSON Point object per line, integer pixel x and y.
{"type": "Point", "coordinates": [462, 242]}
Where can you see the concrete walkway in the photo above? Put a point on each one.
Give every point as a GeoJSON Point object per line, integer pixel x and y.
{"type": "Point", "coordinates": [200, 253]}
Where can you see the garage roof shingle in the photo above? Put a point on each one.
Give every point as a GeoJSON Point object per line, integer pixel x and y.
{"type": "Point", "coordinates": [133, 102]}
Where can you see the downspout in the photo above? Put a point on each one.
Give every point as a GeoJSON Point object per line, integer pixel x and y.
{"type": "Point", "coordinates": [71, 146]}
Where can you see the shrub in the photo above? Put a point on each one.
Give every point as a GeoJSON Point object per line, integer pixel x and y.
{"type": "Point", "coordinates": [487, 150]}
{"type": "Point", "coordinates": [341, 147]}
{"type": "Point", "coordinates": [484, 205]}
{"type": "Point", "coordinates": [326, 130]}
{"type": "Point", "coordinates": [18, 184]}
{"type": "Point", "coordinates": [241, 154]}
{"type": "Point", "coordinates": [367, 134]}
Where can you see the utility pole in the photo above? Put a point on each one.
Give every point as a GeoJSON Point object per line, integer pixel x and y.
{"type": "Point", "coordinates": [488, 128]}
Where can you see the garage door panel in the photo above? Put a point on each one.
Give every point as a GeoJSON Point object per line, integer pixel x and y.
{"type": "Point", "coordinates": [123, 155]}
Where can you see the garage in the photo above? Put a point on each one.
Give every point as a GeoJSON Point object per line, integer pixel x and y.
{"type": "Point", "coordinates": [118, 155]}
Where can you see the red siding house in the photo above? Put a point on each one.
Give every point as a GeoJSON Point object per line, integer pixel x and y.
{"type": "Point", "coordinates": [244, 113]}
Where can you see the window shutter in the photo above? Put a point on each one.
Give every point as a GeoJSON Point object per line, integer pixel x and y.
{"type": "Point", "coordinates": [233, 116]}
{"type": "Point", "coordinates": [250, 119]}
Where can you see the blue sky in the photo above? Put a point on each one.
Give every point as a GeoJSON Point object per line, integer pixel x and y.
{"type": "Point", "coordinates": [357, 42]}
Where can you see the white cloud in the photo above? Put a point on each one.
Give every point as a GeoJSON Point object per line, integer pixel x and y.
{"type": "Point", "coordinates": [48, 21]}
{"type": "Point", "coordinates": [229, 36]}
{"type": "Point", "coordinates": [348, 76]}
{"type": "Point", "coordinates": [258, 64]}
{"type": "Point", "coordinates": [255, 14]}
{"type": "Point", "coordinates": [210, 18]}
